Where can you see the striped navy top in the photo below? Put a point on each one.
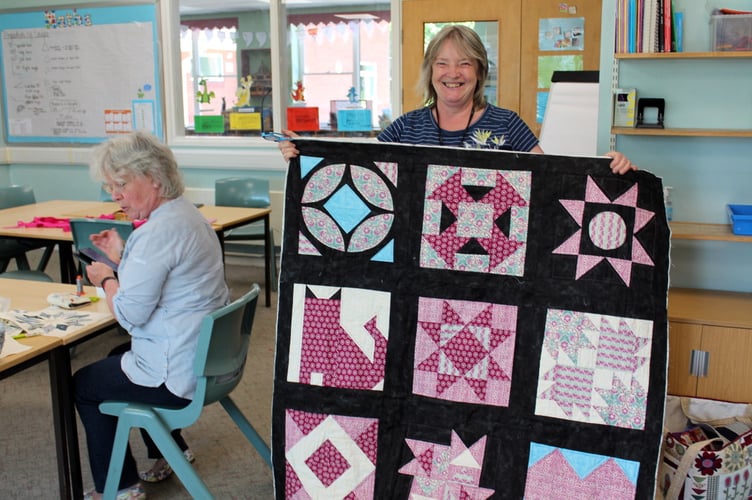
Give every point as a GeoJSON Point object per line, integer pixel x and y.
{"type": "Point", "coordinates": [498, 128]}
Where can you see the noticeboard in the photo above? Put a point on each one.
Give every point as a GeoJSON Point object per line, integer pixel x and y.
{"type": "Point", "coordinates": [80, 75]}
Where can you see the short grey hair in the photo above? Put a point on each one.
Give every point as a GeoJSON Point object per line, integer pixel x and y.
{"type": "Point", "coordinates": [138, 154]}
{"type": "Point", "coordinates": [469, 44]}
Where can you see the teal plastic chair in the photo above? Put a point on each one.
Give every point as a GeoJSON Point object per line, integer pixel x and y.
{"type": "Point", "coordinates": [104, 195]}
{"type": "Point", "coordinates": [12, 248]}
{"type": "Point", "coordinates": [30, 274]}
{"type": "Point", "coordinates": [81, 229]}
{"type": "Point", "coordinates": [220, 360]}
{"type": "Point", "coordinates": [248, 192]}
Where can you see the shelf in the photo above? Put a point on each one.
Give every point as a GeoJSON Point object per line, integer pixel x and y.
{"type": "Point", "coordinates": [710, 307]}
{"type": "Point", "coordinates": [705, 232]}
{"type": "Point", "coordinates": [682, 132]}
{"type": "Point", "coordinates": [686, 55]}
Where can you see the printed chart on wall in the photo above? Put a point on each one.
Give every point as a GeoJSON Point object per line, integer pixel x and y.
{"type": "Point", "coordinates": [80, 75]}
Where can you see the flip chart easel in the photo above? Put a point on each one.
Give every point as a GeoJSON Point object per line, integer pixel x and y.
{"type": "Point", "coordinates": [570, 123]}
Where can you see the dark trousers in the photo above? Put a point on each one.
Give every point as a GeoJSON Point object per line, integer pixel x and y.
{"type": "Point", "coordinates": [104, 380]}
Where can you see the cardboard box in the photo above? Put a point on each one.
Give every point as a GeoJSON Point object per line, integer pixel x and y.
{"type": "Point", "coordinates": [731, 32]}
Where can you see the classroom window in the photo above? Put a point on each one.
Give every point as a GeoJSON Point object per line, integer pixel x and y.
{"type": "Point", "coordinates": [209, 69]}
{"type": "Point", "coordinates": [339, 51]}
{"type": "Point", "coordinates": [336, 58]}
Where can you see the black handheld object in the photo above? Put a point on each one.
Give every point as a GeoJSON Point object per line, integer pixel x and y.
{"type": "Point", "coordinates": [90, 255]}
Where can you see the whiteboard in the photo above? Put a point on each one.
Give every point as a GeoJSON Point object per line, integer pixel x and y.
{"type": "Point", "coordinates": [570, 122]}
{"type": "Point", "coordinates": [80, 75]}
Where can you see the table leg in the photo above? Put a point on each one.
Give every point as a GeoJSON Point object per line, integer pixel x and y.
{"type": "Point", "coordinates": [68, 269]}
{"type": "Point", "coordinates": [64, 416]}
{"type": "Point", "coordinates": [268, 256]}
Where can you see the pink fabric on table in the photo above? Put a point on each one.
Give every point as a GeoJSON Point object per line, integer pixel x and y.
{"type": "Point", "coordinates": [64, 223]}
{"type": "Point", "coordinates": [53, 222]}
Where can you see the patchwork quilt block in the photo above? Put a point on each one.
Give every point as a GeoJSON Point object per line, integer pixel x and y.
{"type": "Point", "coordinates": [469, 324]}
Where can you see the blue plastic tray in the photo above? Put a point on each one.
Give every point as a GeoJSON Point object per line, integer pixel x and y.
{"type": "Point", "coordinates": [741, 219]}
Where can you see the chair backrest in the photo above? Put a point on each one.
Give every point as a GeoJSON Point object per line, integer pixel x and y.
{"type": "Point", "coordinates": [248, 192]}
{"type": "Point", "coordinates": [104, 195]}
{"type": "Point", "coordinates": [81, 229]}
{"type": "Point", "coordinates": [223, 347]}
{"type": "Point", "coordinates": [220, 357]}
{"type": "Point", "coordinates": [14, 196]}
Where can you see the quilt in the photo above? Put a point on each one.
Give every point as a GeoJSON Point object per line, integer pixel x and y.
{"type": "Point", "coordinates": [468, 324]}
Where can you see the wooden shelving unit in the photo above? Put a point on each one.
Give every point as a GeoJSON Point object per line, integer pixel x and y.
{"type": "Point", "coordinates": [682, 132]}
{"type": "Point", "coordinates": [706, 232]}
{"type": "Point", "coordinates": [687, 55]}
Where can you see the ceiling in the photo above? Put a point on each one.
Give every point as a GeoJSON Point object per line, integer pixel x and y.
{"type": "Point", "coordinates": [190, 7]}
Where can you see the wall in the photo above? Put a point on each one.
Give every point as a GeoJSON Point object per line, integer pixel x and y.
{"type": "Point", "coordinates": [706, 173]}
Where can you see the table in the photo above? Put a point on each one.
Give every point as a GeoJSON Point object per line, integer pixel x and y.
{"type": "Point", "coordinates": [222, 219]}
{"type": "Point", "coordinates": [31, 295]}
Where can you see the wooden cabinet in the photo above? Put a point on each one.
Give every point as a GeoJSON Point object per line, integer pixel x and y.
{"type": "Point", "coordinates": [710, 344]}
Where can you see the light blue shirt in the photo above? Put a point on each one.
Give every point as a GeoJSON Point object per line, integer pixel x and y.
{"type": "Point", "coordinates": [171, 275]}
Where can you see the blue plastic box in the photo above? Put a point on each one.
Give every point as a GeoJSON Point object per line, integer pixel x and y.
{"type": "Point", "coordinates": [741, 219]}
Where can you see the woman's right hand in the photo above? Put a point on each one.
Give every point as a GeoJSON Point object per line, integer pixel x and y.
{"type": "Point", "coordinates": [110, 242]}
{"type": "Point", "coordinates": [288, 149]}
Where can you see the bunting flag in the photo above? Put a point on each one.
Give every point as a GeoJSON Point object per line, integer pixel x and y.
{"type": "Point", "coordinates": [458, 323]}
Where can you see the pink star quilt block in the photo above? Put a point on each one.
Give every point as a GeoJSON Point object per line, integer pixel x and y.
{"type": "Point", "coordinates": [475, 220]}
{"type": "Point", "coordinates": [464, 351]}
{"type": "Point", "coordinates": [607, 231]}
{"type": "Point", "coordinates": [440, 472]}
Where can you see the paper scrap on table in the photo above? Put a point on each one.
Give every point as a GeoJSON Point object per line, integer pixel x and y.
{"type": "Point", "coordinates": [11, 346]}
{"type": "Point", "coordinates": [51, 321]}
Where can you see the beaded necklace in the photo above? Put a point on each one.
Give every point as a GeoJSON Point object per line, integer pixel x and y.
{"type": "Point", "coordinates": [464, 134]}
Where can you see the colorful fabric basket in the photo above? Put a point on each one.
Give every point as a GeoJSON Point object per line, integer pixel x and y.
{"type": "Point", "coordinates": [710, 460]}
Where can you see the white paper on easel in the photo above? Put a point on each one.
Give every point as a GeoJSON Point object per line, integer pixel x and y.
{"type": "Point", "coordinates": [570, 123]}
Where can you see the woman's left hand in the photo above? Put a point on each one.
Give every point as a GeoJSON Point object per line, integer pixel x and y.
{"type": "Point", "coordinates": [97, 271]}
{"type": "Point", "coordinates": [620, 164]}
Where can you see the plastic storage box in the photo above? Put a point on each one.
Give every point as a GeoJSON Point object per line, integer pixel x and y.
{"type": "Point", "coordinates": [731, 32]}
{"type": "Point", "coordinates": [741, 219]}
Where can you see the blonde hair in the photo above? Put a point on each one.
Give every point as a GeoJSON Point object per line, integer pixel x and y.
{"type": "Point", "coordinates": [138, 154]}
{"type": "Point", "coordinates": [470, 45]}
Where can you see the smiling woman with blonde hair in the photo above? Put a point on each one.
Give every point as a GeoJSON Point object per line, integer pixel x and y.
{"type": "Point", "coordinates": [452, 80]}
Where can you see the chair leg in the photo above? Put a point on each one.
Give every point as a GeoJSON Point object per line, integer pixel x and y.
{"type": "Point", "coordinates": [140, 418]}
{"type": "Point", "coordinates": [46, 256]}
{"type": "Point", "coordinates": [248, 431]}
{"type": "Point", "coordinates": [115, 469]}
{"type": "Point", "coordinates": [22, 263]}
{"type": "Point", "coordinates": [180, 465]}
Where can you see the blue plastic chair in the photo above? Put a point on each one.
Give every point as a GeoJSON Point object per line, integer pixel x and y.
{"type": "Point", "coordinates": [248, 192]}
{"type": "Point", "coordinates": [11, 248]}
{"type": "Point", "coordinates": [220, 360]}
{"type": "Point", "coordinates": [28, 274]}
